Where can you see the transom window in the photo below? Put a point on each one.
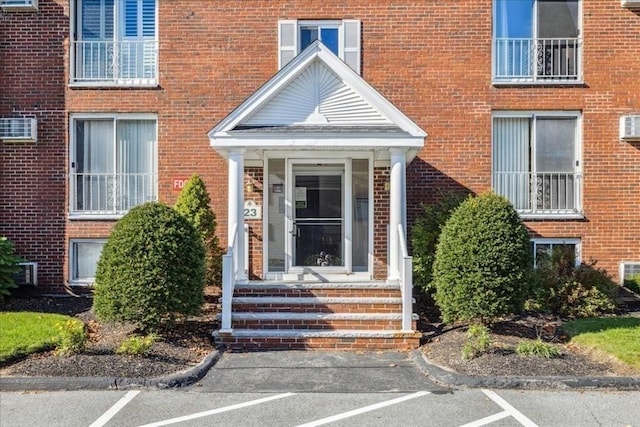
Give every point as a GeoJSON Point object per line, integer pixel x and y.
{"type": "Point", "coordinates": [342, 37]}
{"type": "Point", "coordinates": [115, 42]}
{"type": "Point", "coordinates": [536, 41]}
{"type": "Point", "coordinates": [536, 162]}
{"type": "Point", "coordinates": [113, 163]}
{"type": "Point", "coordinates": [84, 256]}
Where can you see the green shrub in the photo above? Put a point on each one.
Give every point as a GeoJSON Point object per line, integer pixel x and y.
{"type": "Point", "coordinates": [482, 261]}
{"type": "Point", "coordinates": [151, 269]}
{"type": "Point", "coordinates": [633, 283]}
{"type": "Point", "coordinates": [424, 238]}
{"type": "Point", "coordinates": [560, 287]}
{"type": "Point", "coordinates": [478, 341]}
{"type": "Point", "coordinates": [72, 337]}
{"type": "Point", "coordinates": [538, 348]}
{"type": "Point", "coordinates": [8, 266]}
{"type": "Point", "coordinates": [193, 203]}
{"type": "Point", "coordinates": [137, 345]}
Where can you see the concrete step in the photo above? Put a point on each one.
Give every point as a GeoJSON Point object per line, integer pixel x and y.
{"type": "Point", "coordinates": [323, 321]}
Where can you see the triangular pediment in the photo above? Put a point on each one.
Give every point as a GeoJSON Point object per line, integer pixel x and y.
{"type": "Point", "coordinates": [317, 96]}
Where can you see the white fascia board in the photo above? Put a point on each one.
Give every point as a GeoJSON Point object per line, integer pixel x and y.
{"type": "Point", "coordinates": [324, 143]}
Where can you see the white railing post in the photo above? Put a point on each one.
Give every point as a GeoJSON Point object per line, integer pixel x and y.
{"type": "Point", "coordinates": [406, 280]}
{"type": "Point", "coordinates": [228, 282]}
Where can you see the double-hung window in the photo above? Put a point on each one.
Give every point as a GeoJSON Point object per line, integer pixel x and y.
{"type": "Point", "coordinates": [342, 37]}
{"type": "Point", "coordinates": [536, 162]}
{"type": "Point", "coordinates": [113, 163]}
{"type": "Point", "coordinates": [115, 42]}
{"type": "Point", "coordinates": [536, 41]}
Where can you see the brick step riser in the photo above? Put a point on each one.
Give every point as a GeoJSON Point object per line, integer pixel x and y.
{"type": "Point", "coordinates": [253, 344]}
{"type": "Point", "coordinates": [365, 325]}
{"type": "Point", "coordinates": [317, 308]}
{"type": "Point", "coordinates": [319, 293]}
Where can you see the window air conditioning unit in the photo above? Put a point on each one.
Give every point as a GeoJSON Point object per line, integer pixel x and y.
{"type": "Point", "coordinates": [28, 274]}
{"type": "Point", "coordinates": [630, 128]}
{"type": "Point", "coordinates": [19, 128]}
{"type": "Point", "coordinates": [631, 4]}
{"type": "Point", "coordinates": [19, 5]}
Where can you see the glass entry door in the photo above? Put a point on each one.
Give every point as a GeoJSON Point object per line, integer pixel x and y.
{"type": "Point", "coordinates": [318, 226]}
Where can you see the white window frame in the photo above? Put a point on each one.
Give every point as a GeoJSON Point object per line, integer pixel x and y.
{"type": "Point", "coordinates": [74, 214]}
{"type": "Point", "coordinates": [75, 16]}
{"type": "Point", "coordinates": [621, 272]}
{"type": "Point", "coordinates": [321, 23]}
{"type": "Point", "coordinates": [558, 241]}
{"type": "Point", "coordinates": [533, 115]}
{"type": "Point", "coordinates": [533, 80]}
{"type": "Point", "coordinates": [73, 261]}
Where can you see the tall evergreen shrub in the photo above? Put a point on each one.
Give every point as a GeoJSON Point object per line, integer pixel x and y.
{"type": "Point", "coordinates": [8, 266]}
{"type": "Point", "coordinates": [151, 269]}
{"type": "Point", "coordinates": [424, 238]}
{"type": "Point", "coordinates": [194, 204]}
{"type": "Point", "coordinates": [483, 261]}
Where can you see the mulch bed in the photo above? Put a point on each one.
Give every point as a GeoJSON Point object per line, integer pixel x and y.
{"type": "Point", "coordinates": [190, 342]}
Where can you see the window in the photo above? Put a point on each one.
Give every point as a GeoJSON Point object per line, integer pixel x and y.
{"type": "Point", "coordinates": [18, 5]}
{"type": "Point", "coordinates": [536, 41]}
{"type": "Point", "coordinates": [544, 248]}
{"type": "Point", "coordinates": [113, 163]}
{"type": "Point", "coordinates": [84, 256]}
{"type": "Point", "coordinates": [536, 163]}
{"type": "Point", "coordinates": [628, 269]}
{"type": "Point", "coordinates": [341, 37]}
{"type": "Point", "coordinates": [115, 42]}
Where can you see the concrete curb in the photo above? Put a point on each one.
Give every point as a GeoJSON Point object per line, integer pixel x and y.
{"type": "Point", "coordinates": [180, 379]}
{"type": "Point", "coordinates": [451, 378]}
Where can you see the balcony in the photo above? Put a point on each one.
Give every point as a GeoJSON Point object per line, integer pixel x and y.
{"type": "Point", "coordinates": [110, 193]}
{"type": "Point", "coordinates": [541, 194]}
{"type": "Point", "coordinates": [122, 63]}
{"type": "Point", "coordinates": [538, 60]}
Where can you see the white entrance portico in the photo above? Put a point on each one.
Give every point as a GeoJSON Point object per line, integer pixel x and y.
{"type": "Point", "coordinates": [327, 147]}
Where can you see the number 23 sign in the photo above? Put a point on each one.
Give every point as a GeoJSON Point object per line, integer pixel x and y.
{"type": "Point", "coordinates": [252, 210]}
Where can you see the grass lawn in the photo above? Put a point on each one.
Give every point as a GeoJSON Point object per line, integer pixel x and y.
{"type": "Point", "coordinates": [22, 333]}
{"type": "Point", "coordinates": [615, 336]}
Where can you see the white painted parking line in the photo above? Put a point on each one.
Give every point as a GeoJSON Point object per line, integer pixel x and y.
{"type": "Point", "coordinates": [364, 409]}
{"type": "Point", "coordinates": [522, 419]}
{"type": "Point", "coordinates": [488, 420]}
{"type": "Point", "coordinates": [217, 411]}
{"type": "Point", "coordinates": [115, 409]}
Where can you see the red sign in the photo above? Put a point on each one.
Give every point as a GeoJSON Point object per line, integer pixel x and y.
{"type": "Point", "coordinates": [178, 183]}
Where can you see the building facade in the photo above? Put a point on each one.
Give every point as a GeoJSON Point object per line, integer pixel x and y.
{"type": "Point", "coordinates": [319, 127]}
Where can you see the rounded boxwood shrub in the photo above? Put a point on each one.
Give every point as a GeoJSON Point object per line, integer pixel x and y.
{"type": "Point", "coordinates": [193, 203]}
{"type": "Point", "coordinates": [482, 261]}
{"type": "Point", "coordinates": [151, 269]}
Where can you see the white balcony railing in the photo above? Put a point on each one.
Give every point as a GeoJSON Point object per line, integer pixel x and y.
{"type": "Point", "coordinates": [109, 193]}
{"type": "Point", "coordinates": [537, 60]}
{"type": "Point", "coordinates": [116, 62]}
{"type": "Point", "coordinates": [553, 193]}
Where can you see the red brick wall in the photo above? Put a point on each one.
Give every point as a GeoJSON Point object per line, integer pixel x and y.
{"type": "Point", "coordinates": [32, 175]}
{"type": "Point", "coordinates": [432, 60]}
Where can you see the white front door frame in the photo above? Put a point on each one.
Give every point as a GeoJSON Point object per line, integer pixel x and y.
{"type": "Point", "coordinates": [310, 158]}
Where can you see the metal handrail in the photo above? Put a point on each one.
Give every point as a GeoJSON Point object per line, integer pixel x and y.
{"type": "Point", "coordinates": [405, 267]}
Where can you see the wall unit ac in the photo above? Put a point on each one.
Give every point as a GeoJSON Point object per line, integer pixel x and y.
{"type": "Point", "coordinates": [19, 129]}
{"type": "Point", "coordinates": [630, 128]}
{"type": "Point", "coordinates": [28, 274]}
{"type": "Point", "coordinates": [19, 5]}
{"type": "Point", "coordinates": [631, 4]}
{"type": "Point", "coordinates": [628, 269]}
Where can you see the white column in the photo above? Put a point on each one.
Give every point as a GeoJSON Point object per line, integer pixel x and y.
{"type": "Point", "coordinates": [397, 209]}
{"type": "Point", "coordinates": [236, 210]}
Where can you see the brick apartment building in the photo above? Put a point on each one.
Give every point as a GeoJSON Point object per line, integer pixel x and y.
{"type": "Point", "coordinates": [319, 128]}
